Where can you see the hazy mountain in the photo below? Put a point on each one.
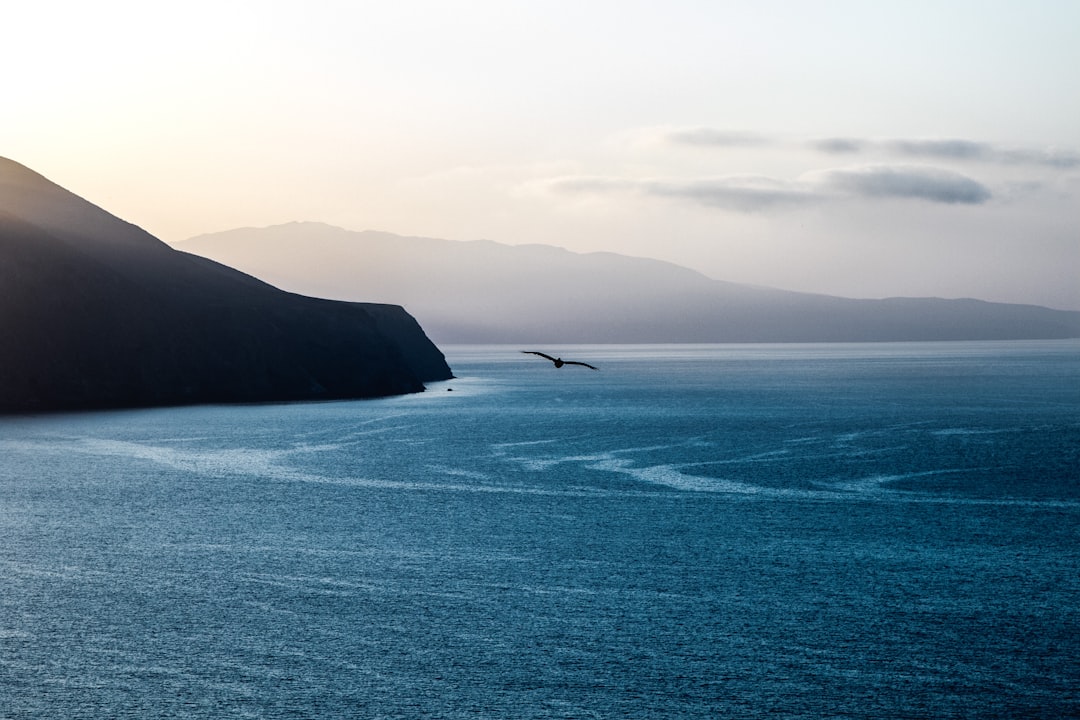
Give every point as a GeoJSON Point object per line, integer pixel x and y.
{"type": "Point", "coordinates": [481, 291]}
{"type": "Point", "coordinates": [95, 312]}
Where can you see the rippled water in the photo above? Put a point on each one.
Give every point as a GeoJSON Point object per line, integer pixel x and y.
{"type": "Point", "coordinates": [713, 531]}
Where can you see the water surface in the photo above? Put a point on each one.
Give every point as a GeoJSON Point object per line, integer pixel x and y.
{"type": "Point", "coordinates": [693, 531]}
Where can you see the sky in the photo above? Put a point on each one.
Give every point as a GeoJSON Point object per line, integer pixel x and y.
{"type": "Point", "coordinates": [865, 149]}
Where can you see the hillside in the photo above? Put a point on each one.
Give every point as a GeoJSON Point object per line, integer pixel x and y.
{"type": "Point", "coordinates": [97, 313]}
{"type": "Point", "coordinates": [486, 292]}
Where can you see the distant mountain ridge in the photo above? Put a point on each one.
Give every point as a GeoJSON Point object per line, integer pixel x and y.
{"type": "Point", "coordinates": [487, 292]}
{"type": "Point", "coordinates": [97, 313]}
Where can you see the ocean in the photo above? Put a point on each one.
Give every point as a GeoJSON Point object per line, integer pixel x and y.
{"type": "Point", "coordinates": [798, 531]}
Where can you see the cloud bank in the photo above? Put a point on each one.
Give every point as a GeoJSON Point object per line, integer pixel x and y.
{"type": "Point", "coordinates": [955, 149]}
{"type": "Point", "coordinates": [913, 182]}
{"type": "Point", "coordinates": [749, 194]}
{"type": "Point", "coordinates": [952, 149]}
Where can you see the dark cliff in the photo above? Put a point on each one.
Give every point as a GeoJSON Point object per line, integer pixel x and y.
{"type": "Point", "coordinates": [97, 313]}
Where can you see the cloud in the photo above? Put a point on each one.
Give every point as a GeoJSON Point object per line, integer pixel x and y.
{"type": "Point", "coordinates": [951, 149]}
{"type": "Point", "coordinates": [752, 193]}
{"type": "Point", "coordinates": [903, 181]}
{"type": "Point", "coordinates": [984, 152]}
{"type": "Point", "coordinates": [838, 146]}
{"type": "Point", "coordinates": [666, 136]}
{"type": "Point", "coordinates": [738, 193]}
{"type": "Point", "coordinates": [712, 137]}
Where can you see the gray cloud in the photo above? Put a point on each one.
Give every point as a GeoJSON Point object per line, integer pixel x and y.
{"type": "Point", "coordinates": [956, 149]}
{"type": "Point", "coordinates": [1053, 157]}
{"type": "Point", "coordinates": [900, 181]}
{"type": "Point", "coordinates": [712, 137]}
{"type": "Point", "coordinates": [744, 194]}
{"type": "Point", "coordinates": [839, 146]}
{"type": "Point", "coordinates": [952, 149]}
{"type": "Point", "coordinates": [739, 193]}
{"type": "Point", "coordinates": [751, 193]}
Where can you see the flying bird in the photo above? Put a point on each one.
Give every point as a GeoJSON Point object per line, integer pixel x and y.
{"type": "Point", "coordinates": [559, 362]}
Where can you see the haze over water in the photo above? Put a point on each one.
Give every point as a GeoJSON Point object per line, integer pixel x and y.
{"type": "Point", "coordinates": [692, 531]}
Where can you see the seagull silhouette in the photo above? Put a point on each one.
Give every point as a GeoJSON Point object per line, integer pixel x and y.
{"type": "Point", "coordinates": [559, 362]}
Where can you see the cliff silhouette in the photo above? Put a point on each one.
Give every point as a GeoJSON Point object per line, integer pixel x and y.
{"type": "Point", "coordinates": [97, 313]}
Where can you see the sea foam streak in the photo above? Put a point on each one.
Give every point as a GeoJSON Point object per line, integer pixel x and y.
{"type": "Point", "coordinates": [274, 465]}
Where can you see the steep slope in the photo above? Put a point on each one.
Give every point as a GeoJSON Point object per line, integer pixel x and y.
{"type": "Point", "coordinates": [98, 313]}
{"type": "Point", "coordinates": [487, 292]}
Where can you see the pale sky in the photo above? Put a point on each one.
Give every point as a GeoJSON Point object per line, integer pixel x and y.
{"type": "Point", "coordinates": [865, 149]}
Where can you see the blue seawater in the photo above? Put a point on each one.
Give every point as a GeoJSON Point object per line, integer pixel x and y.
{"type": "Point", "coordinates": [861, 531]}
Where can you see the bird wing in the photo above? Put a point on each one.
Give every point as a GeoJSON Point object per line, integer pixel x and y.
{"type": "Point", "coordinates": [543, 355]}
{"type": "Point", "coordinates": [575, 362]}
